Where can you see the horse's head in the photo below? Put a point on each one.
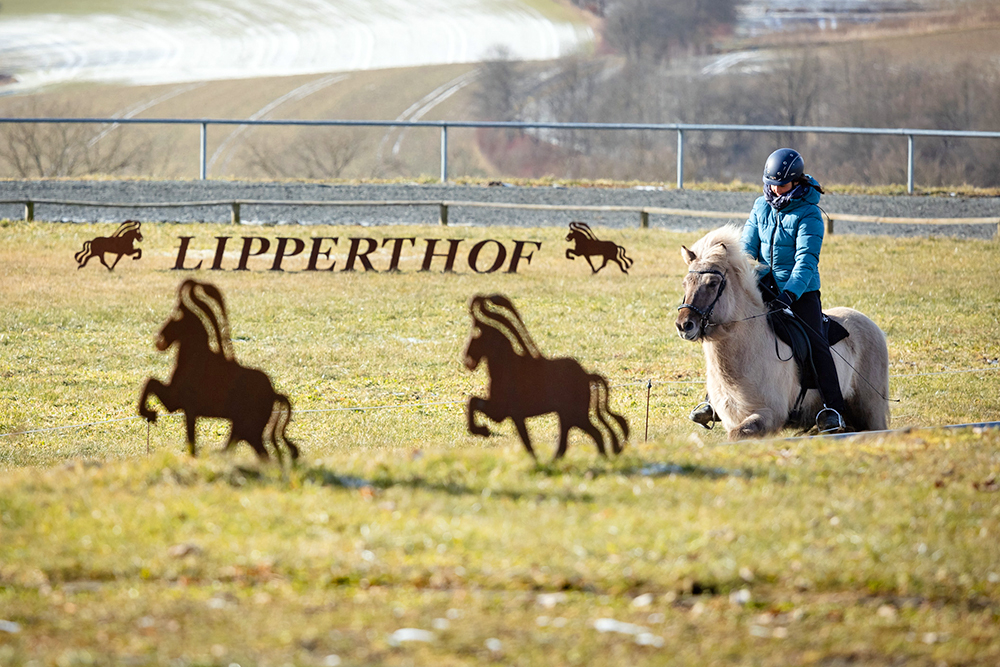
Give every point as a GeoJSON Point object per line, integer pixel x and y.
{"type": "Point", "coordinates": [579, 231]}
{"type": "Point", "coordinates": [497, 330]}
{"type": "Point", "coordinates": [183, 327]}
{"type": "Point", "coordinates": [129, 230]}
{"type": "Point", "coordinates": [199, 321]}
{"type": "Point", "coordinates": [475, 348]}
{"type": "Point", "coordinates": [715, 287]}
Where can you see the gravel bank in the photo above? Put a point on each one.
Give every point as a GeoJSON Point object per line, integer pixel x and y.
{"type": "Point", "coordinates": [187, 191]}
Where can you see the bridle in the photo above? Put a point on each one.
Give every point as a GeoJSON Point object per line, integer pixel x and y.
{"type": "Point", "coordinates": [706, 314]}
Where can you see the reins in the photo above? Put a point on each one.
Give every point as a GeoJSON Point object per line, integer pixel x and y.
{"type": "Point", "coordinates": [706, 314]}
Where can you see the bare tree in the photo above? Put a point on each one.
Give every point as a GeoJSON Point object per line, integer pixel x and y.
{"type": "Point", "coordinates": [307, 156]}
{"type": "Point", "coordinates": [41, 150]}
{"type": "Point", "coordinates": [499, 95]}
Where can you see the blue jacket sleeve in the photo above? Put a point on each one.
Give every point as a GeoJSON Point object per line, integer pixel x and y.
{"type": "Point", "coordinates": [808, 242]}
{"type": "Point", "coordinates": [751, 233]}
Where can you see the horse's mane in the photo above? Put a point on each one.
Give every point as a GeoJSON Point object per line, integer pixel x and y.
{"type": "Point", "coordinates": [127, 226]}
{"type": "Point", "coordinates": [497, 312]}
{"type": "Point", "coordinates": [723, 248]}
{"type": "Point", "coordinates": [583, 228]}
{"type": "Point", "coordinates": [204, 301]}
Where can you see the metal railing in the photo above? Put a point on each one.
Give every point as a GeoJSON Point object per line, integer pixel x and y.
{"type": "Point", "coordinates": [679, 128]}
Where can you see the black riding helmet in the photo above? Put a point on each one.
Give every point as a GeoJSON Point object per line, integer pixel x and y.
{"type": "Point", "coordinates": [783, 166]}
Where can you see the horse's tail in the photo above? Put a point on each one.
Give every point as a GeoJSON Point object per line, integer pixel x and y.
{"type": "Point", "coordinates": [281, 418]}
{"type": "Point", "coordinates": [80, 256]}
{"type": "Point", "coordinates": [623, 259]}
{"type": "Point", "coordinates": [600, 393]}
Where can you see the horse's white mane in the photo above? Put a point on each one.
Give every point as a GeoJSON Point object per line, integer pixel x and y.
{"type": "Point", "coordinates": [584, 229]}
{"type": "Point", "coordinates": [126, 226]}
{"type": "Point", "coordinates": [723, 248]}
{"type": "Point", "coordinates": [498, 313]}
{"type": "Point", "coordinates": [204, 301]}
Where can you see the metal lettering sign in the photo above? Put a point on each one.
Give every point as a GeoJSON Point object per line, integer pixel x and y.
{"type": "Point", "coordinates": [122, 242]}
{"type": "Point", "coordinates": [207, 381]}
{"type": "Point", "coordinates": [523, 383]}
{"type": "Point", "coordinates": [362, 253]}
{"type": "Point", "coordinates": [587, 245]}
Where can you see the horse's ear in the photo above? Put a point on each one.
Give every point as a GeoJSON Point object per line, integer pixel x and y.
{"type": "Point", "coordinates": [687, 255]}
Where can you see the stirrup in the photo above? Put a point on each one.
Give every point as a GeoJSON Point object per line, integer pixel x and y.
{"type": "Point", "coordinates": [841, 427]}
{"type": "Point", "coordinates": [704, 415]}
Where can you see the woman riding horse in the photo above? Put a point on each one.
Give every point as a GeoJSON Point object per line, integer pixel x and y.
{"type": "Point", "coordinates": [785, 233]}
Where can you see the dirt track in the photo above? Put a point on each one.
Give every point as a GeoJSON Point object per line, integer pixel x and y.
{"type": "Point", "coordinates": [695, 200]}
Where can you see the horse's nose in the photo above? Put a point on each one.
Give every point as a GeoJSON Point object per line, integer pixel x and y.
{"type": "Point", "coordinates": [685, 327]}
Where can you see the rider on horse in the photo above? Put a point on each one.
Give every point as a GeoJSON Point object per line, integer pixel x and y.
{"type": "Point", "coordinates": [785, 233]}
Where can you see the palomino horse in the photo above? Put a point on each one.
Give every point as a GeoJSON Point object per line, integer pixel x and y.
{"type": "Point", "coordinates": [751, 381]}
{"type": "Point", "coordinates": [208, 381]}
{"type": "Point", "coordinates": [588, 245]}
{"type": "Point", "coordinates": [122, 242]}
{"type": "Point", "coordinates": [524, 384]}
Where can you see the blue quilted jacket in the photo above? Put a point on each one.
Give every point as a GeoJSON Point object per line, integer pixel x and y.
{"type": "Point", "coordinates": [788, 241]}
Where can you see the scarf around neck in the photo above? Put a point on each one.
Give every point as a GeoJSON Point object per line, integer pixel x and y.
{"type": "Point", "coordinates": [779, 202]}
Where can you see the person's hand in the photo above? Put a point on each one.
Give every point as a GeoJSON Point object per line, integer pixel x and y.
{"type": "Point", "coordinates": [786, 299]}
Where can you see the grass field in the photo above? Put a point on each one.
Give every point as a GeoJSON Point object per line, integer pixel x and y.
{"type": "Point", "coordinates": [683, 550]}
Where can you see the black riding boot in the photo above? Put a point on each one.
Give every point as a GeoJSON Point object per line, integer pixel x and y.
{"type": "Point", "coordinates": [704, 414]}
{"type": "Point", "coordinates": [830, 419]}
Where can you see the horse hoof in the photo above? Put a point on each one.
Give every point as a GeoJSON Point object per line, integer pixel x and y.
{"type": "Point", "coordinates": [481, 431]}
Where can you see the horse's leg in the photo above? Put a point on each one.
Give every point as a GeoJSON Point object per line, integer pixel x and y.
{"type": "Point", "coordinates": [522, 431]}
{"type": "Point", "coordinates": [596, 434]}
{"type": "Point", "coordinates": [115, 263]}
{"type": "Point", "coordinates": [189, 422]}
{"type": "Point", "coordinates": [591, 264]}
{"type": "Point", "coordinates": [138, 254]}
{"type": "Point", "coordinates": [475, 405]}
{"type": "Point", "coordinates": [754, 426]}
{"type": "Point", "coordinates": [101, 257]}
{"type": "Point", "coordinates": [164, 392]}
{"type": "Point", "coordinates": [563, 439]}
{"type": "Point", "coordinates": [605, 262]}
{"type": "Point", "coordinates": [570, 254]}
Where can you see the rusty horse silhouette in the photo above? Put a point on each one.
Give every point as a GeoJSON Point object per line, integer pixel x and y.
{"type": "Point", "coordinates": [122, 242]}
{"type": "Point", "coordinates": [208, 381]}
{"type": "Point", "coordinates": [588, 245]}
{"type": "Point", "coordinates": [524, 384]}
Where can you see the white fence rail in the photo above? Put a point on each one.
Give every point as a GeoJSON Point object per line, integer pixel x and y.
{"type": "Point", "coordinates": [679, 128]}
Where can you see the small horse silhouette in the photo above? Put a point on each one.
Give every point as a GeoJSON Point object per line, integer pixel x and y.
{"type": "Point", "coordinates": [122, 242]}
{"type": "Point", "coordinates": [588, 245]}
{"type": "Point", "coordinates": [208, 381]}
{"type": "Point", "coordinates": [524, 384]}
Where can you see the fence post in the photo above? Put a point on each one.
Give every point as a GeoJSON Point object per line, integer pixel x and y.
{"type": "Point", "coordinates": [204, 143]}
{"type": "Point", "coordinates": [444, 154]}
{"type": "Point", "coordinates": [443, 219]}
{"type": "Point", "coordinates": [29, 211]}
{"type": "Point", "coordinates": [680, 159]}
{"type": "Point", "coordinates": [644, 219]}
{"type": "Point", "coordinates": [235, 219]}
{"type": "Point", "coordinates": [829, 225]}
{"type": "Point", "coordinates": [909, 164]}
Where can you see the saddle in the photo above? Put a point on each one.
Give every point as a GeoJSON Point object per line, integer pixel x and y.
{"type": "Point", "coordinates": [792, 332]}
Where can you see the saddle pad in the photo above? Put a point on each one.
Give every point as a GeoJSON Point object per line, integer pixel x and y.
{"type": "Point", "coordinates": [791, 331]}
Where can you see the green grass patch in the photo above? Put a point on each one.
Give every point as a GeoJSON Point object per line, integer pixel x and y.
{"type": "Point", "coordinates": [876, 551]}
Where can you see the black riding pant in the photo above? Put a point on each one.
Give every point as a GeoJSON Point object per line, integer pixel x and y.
{"type": "Point", "coordinates": [809, 310]}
